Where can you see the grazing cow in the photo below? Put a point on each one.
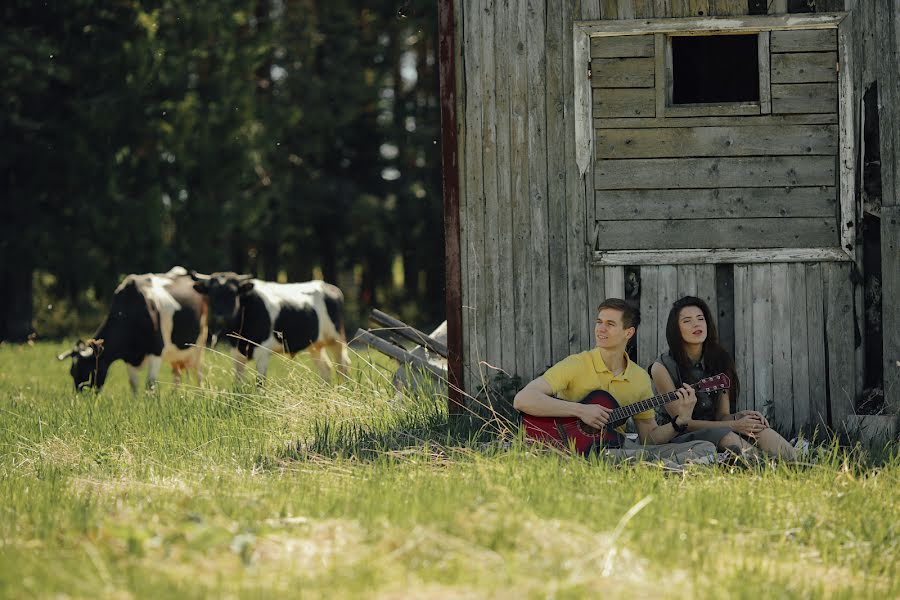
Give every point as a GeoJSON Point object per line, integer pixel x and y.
{"type": "Point", "coordinates": [153, 318]}
{"type": "Point", "coordinates": [261, 317]}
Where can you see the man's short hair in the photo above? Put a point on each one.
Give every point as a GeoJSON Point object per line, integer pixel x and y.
{"type": "Point", "coordinates": [631, 314]}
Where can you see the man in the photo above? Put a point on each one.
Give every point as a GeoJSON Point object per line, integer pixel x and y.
{"type": "Point", "coordinates": [607, 367]}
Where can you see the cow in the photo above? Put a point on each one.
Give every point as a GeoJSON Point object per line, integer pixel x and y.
{"type": "Point", "coordinates": [153, 318]}
{"type": "Point", "coordinates": [261, 317]}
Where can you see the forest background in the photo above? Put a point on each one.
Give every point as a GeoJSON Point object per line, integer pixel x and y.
{"type": "Point", "coordinates": [290, 139]}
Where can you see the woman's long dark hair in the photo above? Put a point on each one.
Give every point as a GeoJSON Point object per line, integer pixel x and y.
{"type": "Point", "coordinates": [715, 356]}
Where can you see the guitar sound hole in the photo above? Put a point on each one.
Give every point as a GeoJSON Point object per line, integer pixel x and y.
{"type": "Point", "coordinates": [588, 430]}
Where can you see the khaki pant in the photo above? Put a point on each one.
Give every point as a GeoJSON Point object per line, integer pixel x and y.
{"type": "Point", "coordinates": [672, 456]}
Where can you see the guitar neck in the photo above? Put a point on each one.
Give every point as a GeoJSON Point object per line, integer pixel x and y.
{"type": "Point", "coordinates": [629, 410]}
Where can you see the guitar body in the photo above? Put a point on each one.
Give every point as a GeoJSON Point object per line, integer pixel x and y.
{"type": "Point", "coordinates": [566, 432]}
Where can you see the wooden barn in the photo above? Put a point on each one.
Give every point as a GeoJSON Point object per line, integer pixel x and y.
{"type": "Point", "coordinates": [744, 151]}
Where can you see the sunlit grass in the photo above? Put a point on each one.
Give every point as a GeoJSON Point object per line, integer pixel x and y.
{"type": "Point", "coordinates": [337, 489]}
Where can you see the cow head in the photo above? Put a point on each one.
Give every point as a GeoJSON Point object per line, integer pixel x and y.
{"type": "Point", "coordinates": [224, 291]}
{"type": "Point", "coordinates": [87, 370]}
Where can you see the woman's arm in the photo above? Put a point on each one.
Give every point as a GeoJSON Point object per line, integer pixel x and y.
{"type": "Point", "coordinates": [664, 384]}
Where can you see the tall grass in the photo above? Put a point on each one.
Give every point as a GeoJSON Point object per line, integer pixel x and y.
{"type": "Point", "coordinates": [346, 489]}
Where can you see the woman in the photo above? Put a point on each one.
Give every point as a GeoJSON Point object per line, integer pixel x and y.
{"type": "Point", "coordinates": [695, 353]}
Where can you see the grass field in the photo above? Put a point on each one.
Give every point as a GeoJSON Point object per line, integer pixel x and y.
{"type": "Point", "coordinates": [307, 489]}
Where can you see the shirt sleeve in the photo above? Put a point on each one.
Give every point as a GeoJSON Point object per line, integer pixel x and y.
{"type": "Point", "coordinates": [560, 375]}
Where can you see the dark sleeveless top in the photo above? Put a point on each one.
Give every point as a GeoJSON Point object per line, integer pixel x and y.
{"type": "Point", "coordinates": [705, 409]}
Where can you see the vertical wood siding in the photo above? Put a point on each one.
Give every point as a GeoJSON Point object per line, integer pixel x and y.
{"type": "Point", "coordinates": [528, 218]}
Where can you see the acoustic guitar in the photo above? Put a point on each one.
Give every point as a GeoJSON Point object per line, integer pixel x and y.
{"type": "Point", "coordinates": [572, 432]}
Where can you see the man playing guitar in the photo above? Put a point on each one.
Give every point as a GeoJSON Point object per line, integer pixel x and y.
{"type": "Point", "coordinates": [607, 367]}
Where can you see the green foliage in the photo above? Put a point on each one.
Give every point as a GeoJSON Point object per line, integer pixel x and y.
{"type": "Point", "coordinates": [280, 138]}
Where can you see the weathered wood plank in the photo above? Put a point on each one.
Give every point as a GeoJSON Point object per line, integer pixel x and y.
{"type": "Point", "coordinates": [888, 99]}
{"type": "Point", "coordinates": [796, 274]}
{"type": "Point", "coordinates": [624, 102]}
{"type": "Point", "coordinates": [707, 25]}
{"type": "Point", "coordinates": [520, 197]}
{"type": "Point", "coordinates": [761, 280]}
{"type": "Point", "coordinates": [643, 9]}
{"type": "Point", "coordinates": [805, 98]}
{"type": "Point", "coordinates": [474, 194]}
{"type": "Point", "coordinates": [804, 67]}
{"type": "Point", "coordinates": [687, 280]}
{"type": "Point", "coordinates": [743, 335]}
{"type": "Point", "coordinates": [749, 109]}
{"type": "Point", "coordinates": [839, 336]}
{"type": "Point", "coordinates": [623, 46]}
{"type": "Point", "coordinates": [778, 7]}
{"type": "Point", "coordinates": [849, 100]}
{"type": "Point", "coordinates": [719, 121]}
{"type": "Point", "coordinates": [727, 8]}
{"type": "Point", "coordinates": [490, 300]}
{"type": "Point", "coordinates": [761, 171]}
{"type": "Point", "coordinates": [690, 8]}
{"type": "Point", "coordinates": [706, 287]}
{"type": "Point", "coordinates": [584, 137]}
{"type": "Point", "coordinates": [626, 9]}
{"type": "Point", "coordinates": [590, 10]}
{"type": "Point", "coordinates": [505, 269]}
{"type": "Point", "coordinates": [649, 329]}
{"type": "Point", "coordinates": [712, 256]}
{"type": "Point", "coordinates": [662, 8]}
{"type": "Point", "coordinates": [609, 9]}
{"type": "Point", "coordinates": [783, 290]}
{"type": "Point", "coordinates": [576, 209]}
{"type": "Point", "coordinates": [622, 72]}
{"type": "Point", "coordinates": [765, 73]}
{"type": "Point", "coordinates": [809, 40]}
{"type": "Point", "coordinates": [667, 293]}
{"type": "Point", "coordinates": [800, 232]}
{"type": "Point", "coordinates": [890, 309]}
{"type": "Point", "coordinates": [771, 140]}
{"type": "Point", "coordinates": [536, 51]}
{"type": "Point", "coordinates": [818, 372]}
{"type": "Point", "coordinates": [724, 203]}
{"type": "Point", "coordinates": [662, 74]}
{"type": "Point", "coordinates": [615, 282]}
{"type": "Point", "coordinates": [556, 181]}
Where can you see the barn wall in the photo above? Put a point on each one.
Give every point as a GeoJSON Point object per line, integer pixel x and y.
{"type": "Point", "coordinates": [530, 282]}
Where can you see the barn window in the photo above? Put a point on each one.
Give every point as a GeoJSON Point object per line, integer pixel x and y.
{"type": "Point", "coordinates": [715, 69]}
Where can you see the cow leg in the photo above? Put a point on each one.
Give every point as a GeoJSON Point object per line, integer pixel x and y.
{"type": "Point", "coordinates": [320, 360]}
{"type": "Point", "coordinates": [134, 377]}
{"type": "Point", "coordinates": [177, 369]}
{"type": "Point", "coordinates": [153, 371]}
{"type": "Point", "coordinates": [340, 357]}
{"type": "Point", "coordinates": [261, 355]}
{"type": "Point", "coordinates": [240, 363]}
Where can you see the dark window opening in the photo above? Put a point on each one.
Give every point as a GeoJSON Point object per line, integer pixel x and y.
{"type": "Point", "coordinates": [757, 7]}
{"type": "Point", "coordinates": [721, 68]}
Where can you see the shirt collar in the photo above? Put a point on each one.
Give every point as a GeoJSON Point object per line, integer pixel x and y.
{"type": "Point", "coordinates": [601, 367]}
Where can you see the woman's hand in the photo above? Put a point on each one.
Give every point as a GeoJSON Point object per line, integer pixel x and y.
{"type": "Point", "coordinates": [755, 414]}
{"type": "Point", "coordinates": [684, 405]}
{"type": "Point", "coordinates": [749, 425]}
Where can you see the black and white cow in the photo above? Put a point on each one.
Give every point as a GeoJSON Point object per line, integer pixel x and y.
{"type": "Point", "coordinates": [153, 318]}
{"type": "Point", "coordinates": [261, 317]}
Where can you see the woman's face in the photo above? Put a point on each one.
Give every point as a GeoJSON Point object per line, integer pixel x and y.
{"type": "Point", "coordinates": [692, 325]}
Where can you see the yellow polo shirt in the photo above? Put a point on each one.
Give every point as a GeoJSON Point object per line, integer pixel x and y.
{"type": "Point", "coordinates": [576, 376]}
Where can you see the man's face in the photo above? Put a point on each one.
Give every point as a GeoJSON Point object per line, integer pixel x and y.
{"type": "Point", "coordinates": [609, 332]}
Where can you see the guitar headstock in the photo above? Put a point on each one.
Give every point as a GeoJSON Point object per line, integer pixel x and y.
{"type": "Point", "coordinates": [713, 384]}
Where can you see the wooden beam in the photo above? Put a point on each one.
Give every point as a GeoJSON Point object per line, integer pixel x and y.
{"type": "Point", "coordinates": [449, 73]}
{"type": "Point", "coordinates": [718, 256]}
{"type": "Point", "coordinates": [708, 25]}
{"type": "Point", "coordinates": [398, 354]}
{"type": "Point", "coordinates": [410, 333]}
